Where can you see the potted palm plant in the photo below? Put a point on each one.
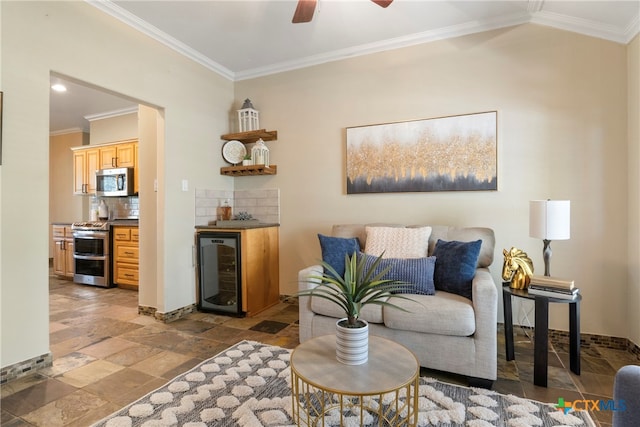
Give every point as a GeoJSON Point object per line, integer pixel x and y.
{"type": "Point", "coordinates": [354, 289]}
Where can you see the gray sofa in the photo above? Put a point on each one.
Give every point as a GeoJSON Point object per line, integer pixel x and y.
{"type": "Point", "coordinates": [446, 332]}
{"type": "Point", "coordinates": [626, 395]}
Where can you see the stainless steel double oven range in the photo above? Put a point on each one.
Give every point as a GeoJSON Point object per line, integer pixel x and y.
{"type": "Point", "coordinates": [92, 253]}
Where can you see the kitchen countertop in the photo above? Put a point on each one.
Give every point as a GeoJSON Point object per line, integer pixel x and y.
{"type": "Point", "coordinates": [123, 222]}
{"type": "Point", "coordinates": [236, 227]}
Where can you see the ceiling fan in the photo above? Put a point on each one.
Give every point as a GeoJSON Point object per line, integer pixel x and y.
{"type": "Point", "coordinates": [304, 10]}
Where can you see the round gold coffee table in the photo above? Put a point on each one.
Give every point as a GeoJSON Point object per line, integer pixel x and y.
{"type": "Point", "coordinates": [381, 392]}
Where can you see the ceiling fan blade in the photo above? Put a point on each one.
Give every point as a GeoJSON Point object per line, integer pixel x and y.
{"type": "Point", "coordinates": [382, 3]}
{"type": "Point", "coordinates": [304, 11]}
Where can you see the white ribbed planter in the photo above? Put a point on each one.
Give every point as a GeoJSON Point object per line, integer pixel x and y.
{"type": "Point", "coordinates": [352, 344]}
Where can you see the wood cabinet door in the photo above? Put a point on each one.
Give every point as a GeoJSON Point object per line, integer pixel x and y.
{"type": "Point", "coordinates": [70, 263]}
{"type": "Point", "coordinates": [108, 156]}
{"type": "Point", "coordinates": [85, 165]}
{"type": "Point", "coordinates": [125, 156]}
{"type": "Point", "coordinates": [260, 267]}
{"type": "Point", "coordinates": [117, 156]}
{"type": "Point", "coordinates": [91, 168]}
{"type": "Point", "coordinates": [59, 257]}
{"type": "Point", "coordinates": [79, 171]}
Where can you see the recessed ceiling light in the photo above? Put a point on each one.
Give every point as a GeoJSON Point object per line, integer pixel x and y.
{"type": "Point", "coordinates": [59, 87]}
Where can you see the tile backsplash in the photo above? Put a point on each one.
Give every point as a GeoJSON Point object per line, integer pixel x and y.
{"type": "Point", "coordinates": [262, 204]}
{"type": "Point", "coordinates": [119, 207]}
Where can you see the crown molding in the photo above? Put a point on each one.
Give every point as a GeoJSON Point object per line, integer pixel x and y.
{"type": "Point", "coordinates": [390, 44]}
{"type": "Point", "coordinates": [632, 30]}
{"type": "Point", "coordinates": [534, 14]}
{"type": "Point", "coordinates": [586, 27]}
{"type": "Point", "coordinates": [66, 131]}
{"type": "Point", "coordinates": [128, 18]}
{"type": "Point", "coordinates": [110, 114]}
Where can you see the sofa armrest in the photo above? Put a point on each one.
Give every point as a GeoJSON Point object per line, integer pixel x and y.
{"type": "Point", "coordinates": [485, 303]}
{"type": "Point", "coordinates": [485, 307]}
{"type": "Point", "coordinates": [306, 282]}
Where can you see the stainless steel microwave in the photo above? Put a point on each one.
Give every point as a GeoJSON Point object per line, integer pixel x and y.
{"type": "Point", "coordinates": [115, 182]}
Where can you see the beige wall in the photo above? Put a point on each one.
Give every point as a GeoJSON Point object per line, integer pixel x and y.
{"type": "Point", "coordinates": [196, 105]}
{"type": "Point", "coordinates": [562, 102]}
{"type": "Point", "coordinates": [63, 205]}
{"type": "Point", "coordinates": [633, 300]}
{"type": "Point", "coordinates": [151, 131]}
{"type": "Point", "coordinates": [112, 129]}
{"type": "Point", "coordinates": [562, 113]}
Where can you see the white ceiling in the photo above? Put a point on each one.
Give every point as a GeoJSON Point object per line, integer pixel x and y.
{"type": "Point", "coordinates": [243, 39]}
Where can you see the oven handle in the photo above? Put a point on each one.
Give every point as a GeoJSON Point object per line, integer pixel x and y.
{"type": "Point", "coordinates": [88, 234]}
{"type": "Point", "coordinates": [90, 257]}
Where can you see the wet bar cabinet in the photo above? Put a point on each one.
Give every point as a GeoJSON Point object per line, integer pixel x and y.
{"type": "Point", "coordinates": [237, 269]}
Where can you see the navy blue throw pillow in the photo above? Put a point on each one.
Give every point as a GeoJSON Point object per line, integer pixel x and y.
{"type": "Point", "coordinates": [456, 266]}
{"type": "Point", "coordinates": [334, 250]}
{"type": "Point", "coordinates": [416, 272]}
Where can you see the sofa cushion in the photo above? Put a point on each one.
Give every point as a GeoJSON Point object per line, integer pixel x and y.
{"type": "Point", "coordinates": [398, 242]}
{"type": "Point", "coordinates": [444, 314]}
{"type": "Point", "coordinates": [464, 234]}
{"type": "Point", "coordinates": [372, 313]}
{"type": "Point", "coordinates": [417, 273]}
{"type": "Point", "coordinates": [444, 232]}
{"type": "Point", "coordinates": [455, 266]}
{"type": "Point", "coordinates": [334, 250]}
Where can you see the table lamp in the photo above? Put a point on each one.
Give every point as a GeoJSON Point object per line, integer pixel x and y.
{"type": "Point", "coordinates": [549, 220]}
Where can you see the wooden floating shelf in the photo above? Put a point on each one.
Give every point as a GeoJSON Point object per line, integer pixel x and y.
{"type": "Point", "coordinates": [252, 136]}
{"type": "Point", "coordinates": [249, 170]}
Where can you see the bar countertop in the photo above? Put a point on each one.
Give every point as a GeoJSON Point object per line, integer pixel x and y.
{"type": "Point", "coordinates": [236, 226]}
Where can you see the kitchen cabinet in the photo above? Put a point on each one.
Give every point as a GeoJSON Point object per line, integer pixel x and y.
{"type": "Point", "coordinates": [63, 262]}
{"type": "Point", "coordinates": [248, 138]}
{"type": "Point", "coordinates": [120, 155]}
{"type": "Point", "coordinates": [126, 255]}
{"type": "Point", "coordinates": [87, 160]}
{"type": "Point", "coordinates": [85, 165]}
{"type": "Point", "coordinates": [259, 277]}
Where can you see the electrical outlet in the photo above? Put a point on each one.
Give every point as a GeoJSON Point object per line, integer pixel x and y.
{"type": "Point", "coordinates": [185, 185]}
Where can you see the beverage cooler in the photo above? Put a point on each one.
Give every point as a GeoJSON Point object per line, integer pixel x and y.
{"type": "Point", "coordinates": [218, 271]}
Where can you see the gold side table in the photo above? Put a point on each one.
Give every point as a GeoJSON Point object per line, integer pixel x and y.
{"type": "Point", "coordinates": [381, 392]}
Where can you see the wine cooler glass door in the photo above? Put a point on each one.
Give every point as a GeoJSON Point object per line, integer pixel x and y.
{"type": "Point", "coordinates": [219, 273]}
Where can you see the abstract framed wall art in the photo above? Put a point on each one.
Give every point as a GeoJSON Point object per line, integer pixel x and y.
{"type": "Point", "coordinates": [455, 153]}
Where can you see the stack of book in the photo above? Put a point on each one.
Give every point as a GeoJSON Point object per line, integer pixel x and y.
{"type": "Point", "coordinates": [552, 287]}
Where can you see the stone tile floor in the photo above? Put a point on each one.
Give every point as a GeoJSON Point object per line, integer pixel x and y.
{"type": "Point", "coordinates": [105, 356]}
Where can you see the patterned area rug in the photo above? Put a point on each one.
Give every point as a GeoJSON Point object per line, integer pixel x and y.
{"type": "Point", "coordinates": [249, 385]}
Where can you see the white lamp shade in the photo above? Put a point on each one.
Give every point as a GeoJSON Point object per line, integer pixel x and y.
{"type": "Point", "coordinates": [550, 219]}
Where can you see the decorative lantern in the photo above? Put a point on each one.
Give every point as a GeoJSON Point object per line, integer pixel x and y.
{"type": "Point", "coordinates": [248, 117]}
{"type": "Point", "coordinates": [260, 153]}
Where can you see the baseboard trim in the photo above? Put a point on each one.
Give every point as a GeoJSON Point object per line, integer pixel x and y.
{"type": "Point", "coordinates": [168, 316]}
{"type": "Point", "coordinates": [26, 367]}
{"type": "Point", "coordinates": [615, 343]}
